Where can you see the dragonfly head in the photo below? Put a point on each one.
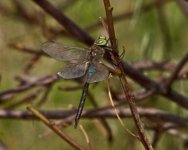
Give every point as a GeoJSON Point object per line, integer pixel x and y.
{"type": "Point", "coordinates": [101, 41]}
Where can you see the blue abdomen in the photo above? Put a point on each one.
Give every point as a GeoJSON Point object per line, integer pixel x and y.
{"type": "Point", "coordinates": [91, 70]}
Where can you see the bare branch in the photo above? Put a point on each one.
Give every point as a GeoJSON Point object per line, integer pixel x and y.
{"type": "Point", "coordinates": [126, 87]}
{"type": "Point", "coordinates": [176, 71]}
{"type": "Point", "coordinates": [55, 128]}
{"type": "Point", "coordinates": [102, 112]}
{"type": "Point", "coordinates": [31, 82]}
{"type": "Point", "coordinates": [70, 26]}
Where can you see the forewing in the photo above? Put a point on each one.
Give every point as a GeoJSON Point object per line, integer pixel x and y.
{"type": "Point", "coordinates": [73, 70]}
{"type": "Point", "coordinates": [100, 74]}
{"type": "Point", "coordinates": [64, 53]}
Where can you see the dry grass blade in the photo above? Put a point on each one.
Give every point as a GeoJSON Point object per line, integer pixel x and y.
{"type": "Point", "coordinates": [86, 137]}
{"type": "Point", "coordinates": [116, 112]}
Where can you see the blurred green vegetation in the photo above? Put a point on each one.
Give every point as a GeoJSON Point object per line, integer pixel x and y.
{"type": "Point", "coordinates": [142, 37]}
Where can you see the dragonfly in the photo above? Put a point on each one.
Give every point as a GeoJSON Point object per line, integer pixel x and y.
{"type": "Point", "coordinates": [80, 62]}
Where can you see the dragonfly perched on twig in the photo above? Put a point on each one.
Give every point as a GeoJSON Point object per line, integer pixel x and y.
{"type": "Point", "coordinates": [80, 62]}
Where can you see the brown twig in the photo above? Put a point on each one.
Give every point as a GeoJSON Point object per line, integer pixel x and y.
{"type": "Point", "coordinates": [125, 85]}
{"type": "Point", "coordinates": [24, 49]}
{"type": "Point", "coordinates": [123, 16]}
{"type": "Point", "coordinates": [110, 23]}
{"type": "Point", "coordinates": [45, 95]}
{"type": "Point", "coordinates": [70, 26]}
{"type": "Point", "coordinates": [102, 112]}
{"type": "Point", "coordinates": [139, 95]}
{"type": "Point", "coordinates": [46, 80]}
{"type": "Point", "coordinates": [176, 72]}
{"type": "Point", "coordinates": [156, 138]}
{"type": "Point", "coordinates": [31, 64]}
{"type": "Point", "coordinates": [70, 88]}
{"type": "Point", "coordinates": [150, 84]}
{"type": "Point", "coordinates": [55, 128]}
{"type": "Point", "coordinates": [31, 18]}
{"type": "Point", "coordinates": [147, 65]}
{"type": "Point", "coordinates": [141, 65]}
{"type": "Point", "coordinates": [133, 73]}
{"type": "Point", "coordinates": [26, 99]}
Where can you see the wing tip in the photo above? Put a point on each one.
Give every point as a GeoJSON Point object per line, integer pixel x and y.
{"type": "Point", "coordinates": [46, 45]}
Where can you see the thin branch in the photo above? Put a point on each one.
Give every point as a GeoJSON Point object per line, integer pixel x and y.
{"type": "Point", "coordinates": [31, 82]}
{"type": "Point", "coordinates": [141, 65]}
{"type": "Point", "coordinates": [133, 73]}
{"type": "Point", "coordinates": [45, 95]}
{"type": "Point", "coordinates": [110, 23]}
{"type": "Point", "coordinates": [55, 128]}
{"type": "Point", "coordinates": [69, 25]}
{"type": "Point", "coordinates": [126, 88]}
{"type": "Point", "coordinates": [31, 64]}
{"type": "Point", "coordinates": [22, 48]}
{"type": "Point", "coordinates": [123, 16]}
{"type": "Point", "coordinates": [150, 84]}
{"type": "Point", "coordinates": [26, 99]}
{"type": "Point", "coordinates": [36, 18]}
{"type": "Point", "coordinates": [156, 138]}
{"type": "Point", "coordinates": [102, 112]}
{"type": "Point", "coordinates": [176, 72]}
{"type": "Point", "coordinates": [146, 65]}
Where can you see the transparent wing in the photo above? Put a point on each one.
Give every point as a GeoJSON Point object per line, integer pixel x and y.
{"type": "Point", "coordinates": [73, 70]}
{"type": "Point", "coordinates": [64, 53]}
{"type": "Point", "coordinates": [100, 74]}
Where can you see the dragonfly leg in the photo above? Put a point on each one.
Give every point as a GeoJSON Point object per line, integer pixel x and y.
{"type": "Point", "coordinates": [81, 105]}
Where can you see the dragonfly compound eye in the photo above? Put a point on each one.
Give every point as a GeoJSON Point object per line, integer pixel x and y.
{"type": "Point", "coordinates": [101, 41]}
